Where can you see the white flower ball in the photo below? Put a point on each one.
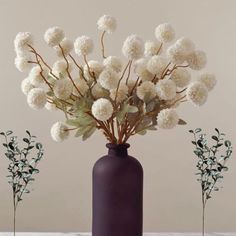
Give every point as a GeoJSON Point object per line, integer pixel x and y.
{"type": "Point", "coordinates": [35, 76]}
{"type": "Point", "coordinates": [26, 86]}
{"type": "Point", "coordinates": [22, 64]}
{"type": "Point", "coordinates": [95, 68]}
{"type": "Point", "coordinates": [176, 54]}
{"type": "Point", "coordinates": [181, 77]}
{"type": "Point", "coordinates": [59, 132]}
{"type": "Point", "coordinates": [121, 93]}
{"type": "Point", "coordinates": [140, 68]}
{"type": "Point", "coordinates": [197, 60]}
{"type": "Point", "coordinates": [197, 93]}
{"type": "Point", "coordinates": [152, 48]}
{"type": "Point", "coordinates": [81, 85]}
{"type": "Point", "coordinates": [165, 33]}
{"type": "Point", "coordinates": [51, 106]}
{"type": "Point", "coordinates": [133, 47]}
{"type": "Point", "coordinates": [59, 68]}
{"type": "Point", "coordinates": [99, 92]}
{"type": "Point", "coordinates": [63, 89]}
{"type": "Point", "coordinates": [209, 80]}
{"type": "Point", "coordinates": [36, 98]}
{"type": "Point", "coordinates": [83, 45]}
{"type": "Point", "coordinates": [102, 109]}
{"type": "Point", "coordinates": [67, 46]}
{"type": "Point", "coordinates": [166, 89]}
{"type": "Point", "coordinates": [53, 36]}
{"type": "Point", "coordinates": [157, 65]}
{"type": "Point", "coordinates": [107, 23]}
{"type": "Point", "coordinates": [146, 91]}
{"type": "Point", "coordinates": [21, 43]}
{"type": "Point", "coordinates": [114, 63]}
{"type": "Point", "coordinates": [186, 45]}
{"type": "Point", "coordinates": [167, 118]}
{"type": "Point", "coordinates": [108, 79]}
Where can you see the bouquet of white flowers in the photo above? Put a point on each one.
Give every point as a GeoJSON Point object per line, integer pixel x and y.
{"type": "Point", "coordinates": [120, 98]}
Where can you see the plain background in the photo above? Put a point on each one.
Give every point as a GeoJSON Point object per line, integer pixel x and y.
{"type": "Point", "coordinates": [61, 197]}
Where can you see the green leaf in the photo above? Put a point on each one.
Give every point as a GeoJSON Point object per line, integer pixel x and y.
{"type": "Point", "coordinates": [131, 109]}
{"type": "Point", "coordinates": [182, 122]}
{"type": "Point", "coordinates": [88, 133]}
{"type": "Point", "coordinates": [26, 140]}
{"type": "Point", "coordinates": [198, 130]}
{"type": "Point", "coordinates": [9, 132]}
{"type": "Point", "coordinates": [227, 143]}
{"type": "Point", "coordinates": [215, 138]}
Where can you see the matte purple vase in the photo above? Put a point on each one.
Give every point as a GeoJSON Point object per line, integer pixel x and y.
{"type": "Point", "coordinates": [117, 194]}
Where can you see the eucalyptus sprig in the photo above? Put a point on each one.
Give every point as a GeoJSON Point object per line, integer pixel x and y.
{"type": "Point", "coordinates": [211, 163]}
{"type": "Point", "coordinates": [21, 168]}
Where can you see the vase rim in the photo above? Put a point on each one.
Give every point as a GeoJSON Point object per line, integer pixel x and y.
{"type": "Point", "coordinates": [114, 146]}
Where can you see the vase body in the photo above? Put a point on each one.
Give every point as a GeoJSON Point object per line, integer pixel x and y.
{"type": "Point", "coordinates": [117, 194]}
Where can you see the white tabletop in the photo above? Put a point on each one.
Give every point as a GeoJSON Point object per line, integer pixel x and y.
{"type": "Point", "coordinates": [145, 234]}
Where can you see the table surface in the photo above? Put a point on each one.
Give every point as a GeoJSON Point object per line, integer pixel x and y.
{"type": "Point", "coordinates": [145, 234]}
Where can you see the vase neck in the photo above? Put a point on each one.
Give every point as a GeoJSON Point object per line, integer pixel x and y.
{"type": "Point", "coordinates": [120, 150]}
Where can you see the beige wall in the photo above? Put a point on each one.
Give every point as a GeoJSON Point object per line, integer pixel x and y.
{"type": "Point", "coordinates": [61, 200]}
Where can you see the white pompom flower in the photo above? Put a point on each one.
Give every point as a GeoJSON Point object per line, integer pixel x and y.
{"type": "Point", "coordinates": [67, 46]}
{"type": "Point", "coordinates": [22, 63]}
{"type": "Point", "coordinates": [197, 60]}
{"type": "Point", "coordinates": [108, 79]}
{"type": "Point", "coordinates": [152, 48]}
{"type": "Point", "coordinates": [180, 50]}
{"type": "Point", "coordinates": [107, 23]}
{"type": "Point", "coordinates": [21, 42]}
{"type": "Point", "coordinates": [181, 77]}
{"type": "Point", "coordinates": [121, 93]}
{"type": "Point", "coordinates": [165, 33]}
{"type": "Point", "coordinates": [102, 109]}
{"type": "Point", "coordinates": [26, 86]}
{"type": "Point", "coordinates": [146, 91]}
{"type": "Point", "coordinates": [186, 44]}
{"type": "Point", "coordinates": [167, 118]}
{"type": "Point", "coordinates": [53, 36]}
{"type": "Point", "coordinates": [157, 64]}
{"type": "Point", "coordinates": [81, 85]}
{"type": "Point", "coordinates": [176, 54]}
{"type": "Point", "coordinates": [99, 92]}
{"type": "Point", "coordinates": [166, 89]}
{"type": "Point", "coordinates": [133, 47]}
{"type": "Point", "coordinates": [63, 89]}
{"type": "Point", "coordinates": [35, 75]}
{"type": "Point", "coordinates": [197, 93]}
{"type": "Point", "coordinates": [36, 98]}
{"type": "Point", "coordinates": [114, 63]}
{"type": "Point", "coordinates": [60, 68]}
{"type": "Point", "coordinates": [83, 45]}
{"type": "Point", "coordinates": [95, 68]}
{"type": "Point", "coordinates": [51, 106]}
{"type": "Point", "coordinates": [59, 132]}
{"type": "Point", "coordinates": [209, 80]}
{"type": "Point", "coordinates": [140, 68]}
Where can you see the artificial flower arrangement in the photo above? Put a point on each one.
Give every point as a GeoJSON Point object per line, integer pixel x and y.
{"type": "Point", "coordinates": [121, 98]}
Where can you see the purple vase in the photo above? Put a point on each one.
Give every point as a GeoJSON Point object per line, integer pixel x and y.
{"type": "Point", "coordinates": [117, 194]}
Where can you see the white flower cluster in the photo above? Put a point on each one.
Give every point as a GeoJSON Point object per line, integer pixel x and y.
{"type": "Point", "coordinates": [103, 90]}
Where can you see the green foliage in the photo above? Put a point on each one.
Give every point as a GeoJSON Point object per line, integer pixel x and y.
{"type": "Point", "coordinates": [211, 162]}
{"type": "Point", "coordinates": [21, 168]}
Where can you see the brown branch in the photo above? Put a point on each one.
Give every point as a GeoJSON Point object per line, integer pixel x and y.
{"type": "Point", "coordinates": [122, 76]}
{"type": "Point", "coordinates": [68, 72]}
{"type": "Point", "coordinates": [43, 61]}
{"type": "Point", "coordinates": [102, 43]}
{"type": "Point", "coordinates": [90, 73]}
{"type": "Point", "coordinates": [129, 70]}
